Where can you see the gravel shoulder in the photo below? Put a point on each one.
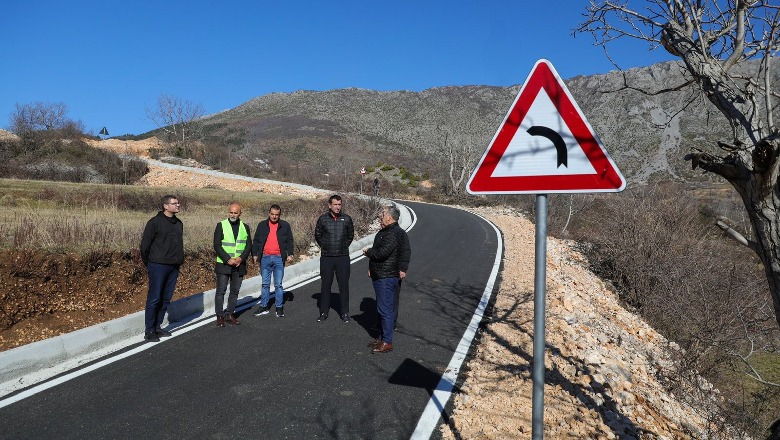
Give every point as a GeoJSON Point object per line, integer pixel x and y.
{"type": "Point", "coordinates": [604, 365]}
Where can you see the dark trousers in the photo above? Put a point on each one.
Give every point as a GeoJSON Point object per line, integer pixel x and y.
{"type": "Point", "coordinates": [222, 283]}
{"type": "Point", "coordinates": [341, 267]}
{"type": "Point", "coordinates": [385, 289]}
{"type": "Point", "coordinates": [162, 283]}
{"type": "Point", "coordinates": [396, 300]}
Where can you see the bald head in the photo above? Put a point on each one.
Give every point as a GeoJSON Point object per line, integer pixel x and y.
{"type": "Point", "coordinates": [234, 211]}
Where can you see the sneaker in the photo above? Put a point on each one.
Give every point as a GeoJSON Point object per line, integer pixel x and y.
{"type": "Point", "coordinates": [280, 312]}
{"type": "Point", "coordinates": [262, 311]}
{"type": "Point", "coordinates": [323, 316]}
{"type": "Point", "coordinates": [151, 337]}
{"type": "Point", "coordinates": [345, 318]}
{"type": "Point", "coordinates": [161, 332]}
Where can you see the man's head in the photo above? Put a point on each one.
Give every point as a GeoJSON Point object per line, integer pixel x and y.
{"type": "Point", "coordinates": [334, 204]}
{"type": "Point", "coordinates": [274, 213]}
{"type": "Point", "coordinates": [390, 214]}
{"type": "Point", "coordinates": [234, 211]}
{"type": "Point", "coordinates": [170, 204]}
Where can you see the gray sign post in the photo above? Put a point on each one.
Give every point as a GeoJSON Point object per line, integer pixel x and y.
{"type": "Point", "coordinates": [540, 292]}
{"type": "Point", "coordinates": [544, 145]}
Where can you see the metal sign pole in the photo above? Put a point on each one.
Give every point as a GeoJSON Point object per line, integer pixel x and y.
{"type": "Point", "coordinates": [540, 288]}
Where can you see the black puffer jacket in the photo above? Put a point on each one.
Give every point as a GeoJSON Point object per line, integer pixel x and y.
{"type": "Point", "coordinates": [385, 255]}
{"type": "Point", "coordinates": [334, 235]}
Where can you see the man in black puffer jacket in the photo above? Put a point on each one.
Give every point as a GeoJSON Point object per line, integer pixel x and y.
{"type": "Point", "coordinates": [334, 233]}
{"type": "Point", "coordinates": [384, 266]}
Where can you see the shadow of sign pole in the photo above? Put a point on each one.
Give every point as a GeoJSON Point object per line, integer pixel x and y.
{"type": "Point", "coordinates": [540, 287]}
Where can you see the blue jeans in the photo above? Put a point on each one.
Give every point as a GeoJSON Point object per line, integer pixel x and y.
{"type": "Point", "coordinates": [272, 264]}
{"type": "Point", "coordinates": [385, 298]}
{"type": "Point", "coordinates": [162, 283]}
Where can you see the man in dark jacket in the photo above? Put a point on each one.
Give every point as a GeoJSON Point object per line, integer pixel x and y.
{"type": "Point", "coordinates": [162, 251]}
{"type": "Point", "coordinates": [232, 244]}
{"type": "Point", "coordinates": [334, 233]}
{"type": "Point", "coordinates": [384, 267]}
{"type": "Point", "coordinates": [273, 247]}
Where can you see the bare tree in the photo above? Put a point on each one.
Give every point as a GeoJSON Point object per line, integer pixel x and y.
{"type": "Point", "coordinates": [179, 119]}
{"type": "Point", "coordinates": [460, 157]}
{"type": "Point", "coordinates": [712, 38]}
{"type": "Point", "coordinates": [28, 119]}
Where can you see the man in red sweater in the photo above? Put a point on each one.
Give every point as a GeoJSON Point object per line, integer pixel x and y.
{"type": "Point", "coordinates": [272, 248]}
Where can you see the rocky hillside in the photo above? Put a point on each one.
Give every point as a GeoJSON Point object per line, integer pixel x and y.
{"type": "Point", "coordinates": [646, 134]}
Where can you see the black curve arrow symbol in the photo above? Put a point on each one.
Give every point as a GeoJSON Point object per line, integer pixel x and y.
{"type": "Point", "coordinates": [555, 138]}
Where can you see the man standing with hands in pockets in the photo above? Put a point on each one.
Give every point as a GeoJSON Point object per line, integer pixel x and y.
{"type": "Point", "coordinates": [334, 233]}
{"type": "Point", "coordinates": [273, 247]}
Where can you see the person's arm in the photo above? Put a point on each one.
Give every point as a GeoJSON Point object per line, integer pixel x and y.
{"type": "Point", "coordinates": [380, 251]}
{"type": "Point", "coordinates": [248, 249]}
{"type": "Point", "coordinates": [218, 237]}
{"type": "Point", "coordinates": [256, 250]}
{"type": "Point", "coordinates": [146, 241]}
{"type": "Point", "coordinates": [350, 231]}
{"type": "Point", "coordinates": [289, 243]}
{"type": "Point", "coordinates": [406, 254]}
{"type": "Point", "coordinates": [318, 231]}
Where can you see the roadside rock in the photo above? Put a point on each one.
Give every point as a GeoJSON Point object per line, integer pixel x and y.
{"type": "Point", "coordinates": [604, 365]}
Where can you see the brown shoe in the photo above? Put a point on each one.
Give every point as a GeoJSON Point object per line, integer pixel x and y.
{"type": "Point", "coordinates": [230, 319]}
{"type": "Point", "coordinates": [220, 321]}
{"type": "Point", "coordinates": [374, 343]}
{"type": "Point", "coordinates": [383, 347]}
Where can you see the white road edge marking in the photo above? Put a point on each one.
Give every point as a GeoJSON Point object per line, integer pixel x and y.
{"type": "Point", "coordinates": [429, 419]}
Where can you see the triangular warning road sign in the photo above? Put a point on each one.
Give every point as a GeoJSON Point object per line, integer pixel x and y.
{"type": "Point", "coordinates": [545, 145]}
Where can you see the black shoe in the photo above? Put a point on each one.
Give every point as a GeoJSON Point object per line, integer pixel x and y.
{"type": "Point", "coordinates": [161, 332]}
{"type": "Point", "coordinates": [262, 311]}
{"type": "Point", "coordinates": [323, 316]}
{"type": "Point", "coordinates": [280, 312]}
{"type": "Point", "coordinates": [151, 337]}
{"type": "Point", "coordinates": [345, 317]}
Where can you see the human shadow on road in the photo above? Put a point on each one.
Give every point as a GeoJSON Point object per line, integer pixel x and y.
{"type": "Point", "coordinates": [413, 374]}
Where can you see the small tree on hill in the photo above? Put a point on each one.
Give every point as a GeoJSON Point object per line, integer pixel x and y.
{"type": "Point", "coordinates": [180, 121]}
{"type": "Point", "coordinates": [29, 120]}
{"type": "Point", "coordinates": [711, 38]}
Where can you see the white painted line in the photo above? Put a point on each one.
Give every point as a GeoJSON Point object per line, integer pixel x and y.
{"type": "Point", "coordinates": [429, 419]}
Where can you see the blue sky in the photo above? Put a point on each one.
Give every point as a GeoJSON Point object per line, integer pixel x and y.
{"type": "Point", "coordinates": [110, 60]}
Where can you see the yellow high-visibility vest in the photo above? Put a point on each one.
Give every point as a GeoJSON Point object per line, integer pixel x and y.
{"type": "Point", "coordinates": [234, 247]}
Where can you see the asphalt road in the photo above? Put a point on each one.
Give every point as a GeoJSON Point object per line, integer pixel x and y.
{"type": "Point", "coordinates": [291, 377]}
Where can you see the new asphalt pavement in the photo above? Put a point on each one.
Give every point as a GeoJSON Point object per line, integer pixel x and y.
{"type": "Point", "coordinates": [292, 377]}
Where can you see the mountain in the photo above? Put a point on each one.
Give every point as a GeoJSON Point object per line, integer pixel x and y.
{"type": "Point", "coordinates": [339, 130]}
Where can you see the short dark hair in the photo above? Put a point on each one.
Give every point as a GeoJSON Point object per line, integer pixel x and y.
{"type": "Point", "coordinates": [164, 200]}
{"type": "Point", "coordinates": [334, 197]}
{"type": "Point", "coordinates": [275, 206]}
